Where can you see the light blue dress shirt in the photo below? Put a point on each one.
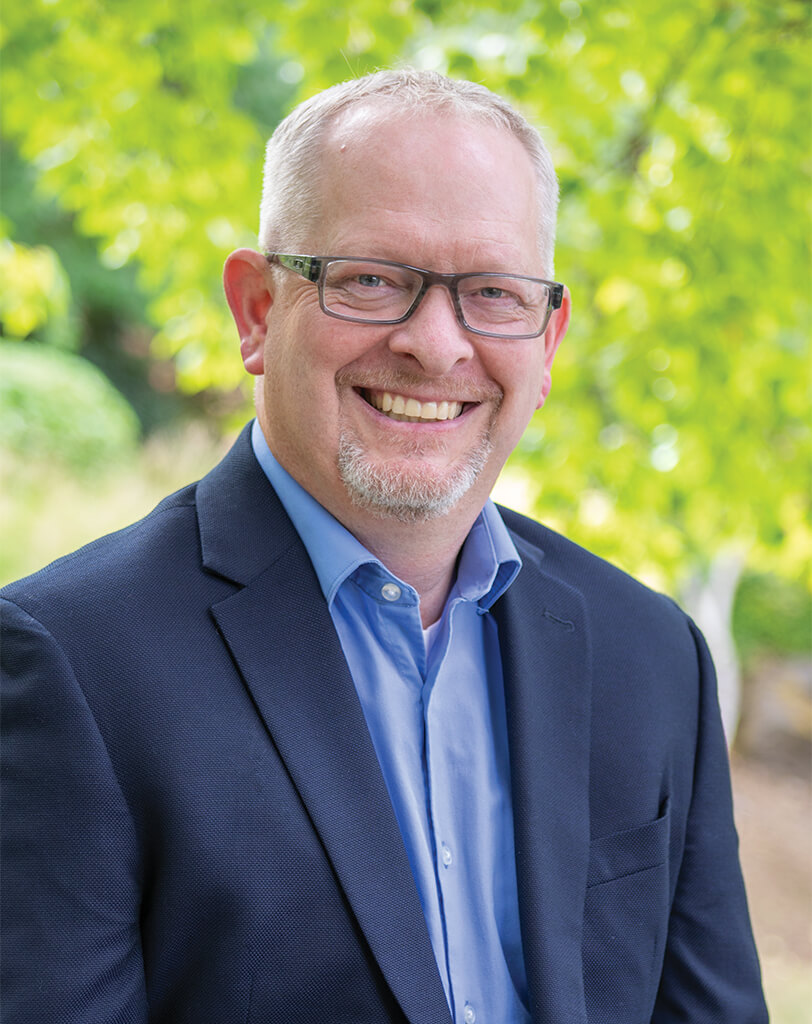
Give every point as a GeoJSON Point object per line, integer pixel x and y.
{"type": "Point", "coordinates": [434, 704]}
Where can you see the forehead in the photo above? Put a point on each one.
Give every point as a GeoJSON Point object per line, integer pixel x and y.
{"type": "Point", "coordinates": [426, 185]}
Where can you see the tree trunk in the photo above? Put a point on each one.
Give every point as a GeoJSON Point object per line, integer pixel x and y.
{"type": "Point", "coordinates": [708, 597]}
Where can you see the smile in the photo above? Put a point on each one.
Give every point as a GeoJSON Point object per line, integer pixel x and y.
{"type": "Point", "coordinates": [410, 410]}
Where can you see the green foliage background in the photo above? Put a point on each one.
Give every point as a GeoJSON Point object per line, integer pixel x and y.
{"type": "Point", "coordinates": [677, 428]}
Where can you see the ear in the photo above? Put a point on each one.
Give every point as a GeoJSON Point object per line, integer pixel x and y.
{"type": "Point", "coordinates": [553, 336]}
{"type": "Point", "coordinates": [248, 286]}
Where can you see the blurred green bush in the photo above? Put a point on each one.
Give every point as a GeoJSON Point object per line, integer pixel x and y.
{"type": "Point", "coordinates": [56, 407]}
{"type": "Point", "coordinates": [771, 614]}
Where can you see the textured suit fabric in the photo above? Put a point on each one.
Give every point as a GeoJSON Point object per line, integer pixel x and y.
{"type": "Point", "coordinates": [195, 827]}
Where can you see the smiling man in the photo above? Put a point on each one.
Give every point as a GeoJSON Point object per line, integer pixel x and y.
{"type": "Point", "coordinates": [391, 396]}
{"type": "Point", "coordinates": [328, 736]}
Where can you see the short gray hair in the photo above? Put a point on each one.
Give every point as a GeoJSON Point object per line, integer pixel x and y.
{"type": "Point", "coordinates": [291, 178]}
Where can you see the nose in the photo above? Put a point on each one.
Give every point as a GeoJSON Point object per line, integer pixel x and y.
{"type": "Point", "coordinates": [433, 335]}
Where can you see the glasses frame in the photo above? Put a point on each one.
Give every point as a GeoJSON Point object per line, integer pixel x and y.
{"type": "Point", "coordinates": [312, 268]}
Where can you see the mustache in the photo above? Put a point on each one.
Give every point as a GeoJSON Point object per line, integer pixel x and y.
{"type": "Point", "coordinates": [453, 389]}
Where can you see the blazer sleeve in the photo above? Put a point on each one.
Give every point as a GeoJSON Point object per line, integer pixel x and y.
{"type": "Point", "coordinates": [711, 970]}
{"type": "Point", "coordinates": [70, 895]}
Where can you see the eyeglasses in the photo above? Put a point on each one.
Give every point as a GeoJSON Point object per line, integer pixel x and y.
{"type": "Point", "coordinates": [382, 292]}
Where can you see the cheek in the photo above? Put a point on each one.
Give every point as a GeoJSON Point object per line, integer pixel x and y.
{"type": "Point", "coordinates": [293, 356]}
{"type": "Point", "coordinates": [302, 399]}
{"type": "Point", "coordinates": [521, 378]}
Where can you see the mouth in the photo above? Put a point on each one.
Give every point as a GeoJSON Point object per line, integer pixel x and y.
{"type": "Point", "coordinates": [411, 410]}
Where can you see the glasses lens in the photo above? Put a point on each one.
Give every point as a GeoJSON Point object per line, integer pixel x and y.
{"type": "Point", "coordinates": [508, 306]}
{"type": "Point", "coordinates": [367, 290]}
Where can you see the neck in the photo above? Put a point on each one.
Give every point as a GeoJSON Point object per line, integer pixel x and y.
{"type": "Point", "coordinates": [424, 555]}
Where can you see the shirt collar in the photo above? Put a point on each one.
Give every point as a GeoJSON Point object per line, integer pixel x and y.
{"type": "Point", "coordinates": [488, 564]}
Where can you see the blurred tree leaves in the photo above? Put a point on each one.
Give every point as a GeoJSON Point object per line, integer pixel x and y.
{"type": "Point", "coordinates": [681, 131]}
{"type": "Point", "coordinates": [127, 112]}
{"type": "Point", "coordinates": [35, 294]}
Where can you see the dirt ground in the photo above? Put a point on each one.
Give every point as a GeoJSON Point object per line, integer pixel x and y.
{"type": "Point", "coordinates": [774, 818]}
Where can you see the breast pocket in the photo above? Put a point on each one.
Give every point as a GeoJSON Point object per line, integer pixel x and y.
{"type": "Point", "coordinates": [625, 922]}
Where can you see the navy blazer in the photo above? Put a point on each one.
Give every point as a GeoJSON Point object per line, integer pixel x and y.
{"type": "Point", "coordinates": [196, 828]}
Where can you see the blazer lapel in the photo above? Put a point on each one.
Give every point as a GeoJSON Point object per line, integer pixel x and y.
{"type": "Point", "coordinates": [281, 636]}
{"type": "Point", "coordinates": [544, 643]}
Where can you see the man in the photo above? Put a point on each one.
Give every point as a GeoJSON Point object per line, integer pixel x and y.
{"type": "Point", "coordinates": [326, 736]}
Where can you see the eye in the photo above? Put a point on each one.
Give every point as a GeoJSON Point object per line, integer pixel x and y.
{"type": "Point", "coordinates": [370, 280]}
{"type": "Point", "coordinates": [495, 294]}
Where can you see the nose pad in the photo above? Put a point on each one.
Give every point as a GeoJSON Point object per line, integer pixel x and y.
{"type": "Point", "coordinates": [433, 334]}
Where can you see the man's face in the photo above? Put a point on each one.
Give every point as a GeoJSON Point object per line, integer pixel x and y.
{"type": "Point", "coordinates": [441, 193]}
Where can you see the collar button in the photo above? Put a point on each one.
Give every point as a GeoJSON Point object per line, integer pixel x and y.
{"type": "Point", "coordinates": [391, 592]}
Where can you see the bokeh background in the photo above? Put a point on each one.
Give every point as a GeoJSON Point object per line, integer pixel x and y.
{"type": "Point", "coordinates": [677, 438]}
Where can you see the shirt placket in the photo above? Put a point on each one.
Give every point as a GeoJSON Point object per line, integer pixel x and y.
{"type": "Point", "coordinates": [453, 739]}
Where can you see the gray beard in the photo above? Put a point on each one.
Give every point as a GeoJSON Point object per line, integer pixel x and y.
{"type": "Point", "coordinates": [403, 494]}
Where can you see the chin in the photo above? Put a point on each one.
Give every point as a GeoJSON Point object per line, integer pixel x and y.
{"type": "Point", "coordinates": [410, 494]}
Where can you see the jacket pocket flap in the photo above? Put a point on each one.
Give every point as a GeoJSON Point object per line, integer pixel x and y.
{"type": "Point", "coordinates": [634, 849]}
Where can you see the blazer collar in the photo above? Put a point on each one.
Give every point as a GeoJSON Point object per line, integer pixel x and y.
{"type": "Point", "coordinates": [545, 650]}
{"type": "Point", "coordinates": [243, 528]}
{"type": "Point", "coordinates": [280, 634]}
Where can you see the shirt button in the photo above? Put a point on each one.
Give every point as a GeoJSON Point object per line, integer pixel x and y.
{"type": "Point", "coordinates": [390, 592]}
{"type": "Point", "coordinates": [469, 1014]}
{"type": "Point", "coordinates": [445, 855]}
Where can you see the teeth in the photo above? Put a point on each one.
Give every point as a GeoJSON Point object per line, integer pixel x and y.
{"type": "Point", "coordinates": [411, 410]}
